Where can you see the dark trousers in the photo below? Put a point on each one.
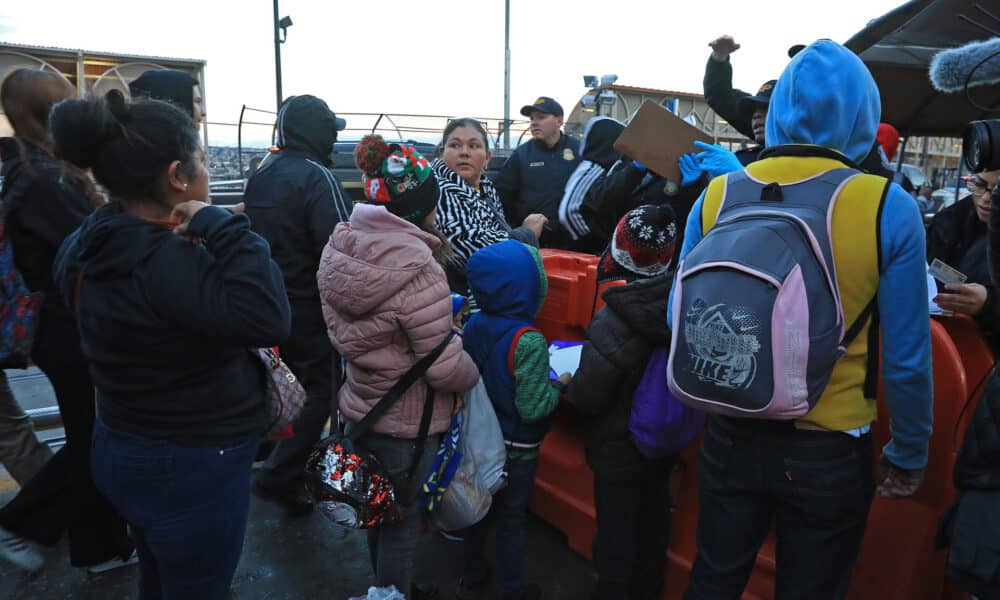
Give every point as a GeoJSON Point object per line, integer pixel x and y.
{"type": "Point", "coordinates": [392, 548]}
{"type": "Point", "coordinates": [187, 508]}
{"type": "Point", "coordinates": [816, 486]}
{"type": "Point", "coordinates": [61, 497]}
{"type": "Point", "coordinates": [633, 533]}
{"type": "Point", "coordinates": [510, 506]}
{"type": "Point", "coordinates": [312, 359]}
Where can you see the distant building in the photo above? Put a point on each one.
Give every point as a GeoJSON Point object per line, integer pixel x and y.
{"type": "Point", "coordinates": [621, 102]}
{"type": "Point", "coordinates": [91, 73]}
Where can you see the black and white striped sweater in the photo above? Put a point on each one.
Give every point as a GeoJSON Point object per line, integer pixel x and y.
{"type": "Point", "coordinates": [471, 219]}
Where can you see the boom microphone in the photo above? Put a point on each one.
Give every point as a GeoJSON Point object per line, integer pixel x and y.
{"type": "Point", "coordinates": [973, 64]}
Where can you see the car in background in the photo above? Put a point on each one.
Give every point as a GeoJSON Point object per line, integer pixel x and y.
{"type": "Point", "coordinates": [953, 191]}
{"type": "Point", "coordinates": [916, 175]}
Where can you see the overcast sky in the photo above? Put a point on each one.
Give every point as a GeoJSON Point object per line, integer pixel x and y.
{"type": "Point", "coordinates": [438, 56]}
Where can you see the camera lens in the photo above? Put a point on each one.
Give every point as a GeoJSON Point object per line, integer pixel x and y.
{"type": "Point", "coordinates": [981, 146]}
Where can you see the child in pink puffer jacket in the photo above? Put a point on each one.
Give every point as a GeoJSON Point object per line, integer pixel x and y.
{"type": "Point", "coordinates": [387, 304]}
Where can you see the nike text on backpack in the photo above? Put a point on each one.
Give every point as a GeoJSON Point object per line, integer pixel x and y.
{"type": "Point", "coordinates": [758, 320]}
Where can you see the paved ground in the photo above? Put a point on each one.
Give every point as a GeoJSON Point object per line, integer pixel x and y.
{"type": "Point", "coordinates": [285, 559]}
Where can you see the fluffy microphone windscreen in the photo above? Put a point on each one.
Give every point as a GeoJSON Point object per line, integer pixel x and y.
{"type": "Point", "coordinates": [950, 69]}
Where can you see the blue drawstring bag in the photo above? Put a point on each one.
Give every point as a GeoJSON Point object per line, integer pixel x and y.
{"type": "Point", "coordinates": [660, 425]}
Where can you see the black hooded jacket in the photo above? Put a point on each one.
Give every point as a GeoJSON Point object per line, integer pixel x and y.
{"type": "Point", "coordinates": [620, 341]}
{"type": "Point", "coordinates": [623, 187]}
{"type": "Point", "coordinates": [166, 323]}
{"type": "Point", "coordinates": [42, 205]}
{"type": "Point", "coordinates": [294, 202]}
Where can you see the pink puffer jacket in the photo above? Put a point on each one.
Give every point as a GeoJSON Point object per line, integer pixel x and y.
{"type": "Point", "coordinates": [387, 304]}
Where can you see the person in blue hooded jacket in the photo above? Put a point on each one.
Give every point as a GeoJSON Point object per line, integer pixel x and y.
{"type": "Point", "coordinates": [509, 285]}
{"type": "Point", "coordinates": [813, 476]}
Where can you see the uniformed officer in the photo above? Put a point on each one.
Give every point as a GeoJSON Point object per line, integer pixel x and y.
{"type": "Point", "coordinates": [534, 177]}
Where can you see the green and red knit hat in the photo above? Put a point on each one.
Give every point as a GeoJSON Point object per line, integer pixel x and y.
{"type": "Point", "coordinates": [397, 177]}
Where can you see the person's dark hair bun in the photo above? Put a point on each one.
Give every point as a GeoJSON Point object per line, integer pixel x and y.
{"type": "Point", "coordinates": [118, 106]}
{"type": "Point", "coordinates": [81, 129]}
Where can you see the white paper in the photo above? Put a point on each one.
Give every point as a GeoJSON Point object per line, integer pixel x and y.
{"type": "Point", "coordinates": [932, 291]}
{"type": "Point", "coordinates": [565, 360]}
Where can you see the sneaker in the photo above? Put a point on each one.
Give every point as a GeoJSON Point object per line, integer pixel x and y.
{"type": "Point", "coordinates": [20, 552]}
{"type": "Point", "coordinates": [295, 499]}
{"type": "Point", "coordinates": [115, 563]}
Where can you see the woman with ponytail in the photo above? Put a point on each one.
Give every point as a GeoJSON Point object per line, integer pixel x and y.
{"type": "Point", "coordinates": [170, 294]}
{"type": "Point", "coordinates": [387, 305]}
{"type": "Point", "coordinates": [44, 200]}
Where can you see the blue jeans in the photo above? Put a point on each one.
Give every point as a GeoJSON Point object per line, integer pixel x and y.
{"type": "Point", "coordinates": [187, 508]}
{"type": "Point", "coordinates": [816, 486]}
{"type": "Point", "coordinates": [510, 505]}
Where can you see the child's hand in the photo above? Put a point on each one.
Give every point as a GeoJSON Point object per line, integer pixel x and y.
{"type": "Point", "coordinates": [565, 378]}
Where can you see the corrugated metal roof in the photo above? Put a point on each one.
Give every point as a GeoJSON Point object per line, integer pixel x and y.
{"type": "Point", "coordinates": [646, 90]}
{"type": "Point", "coordinates": [73, 52]}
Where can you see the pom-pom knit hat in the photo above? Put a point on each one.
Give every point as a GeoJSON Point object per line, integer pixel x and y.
{"type": "Point", "coordinates": [397, 177]}
{"type": "Point", "coordinates": [643, 245]}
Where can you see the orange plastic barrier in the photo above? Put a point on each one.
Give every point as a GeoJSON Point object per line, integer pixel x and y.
{"type": "Point", "coordinates": [564, 485]}
{"type": "Point", "coordinates": [977, 360]}
{"type": "Point", "coordinates": [897, 558]}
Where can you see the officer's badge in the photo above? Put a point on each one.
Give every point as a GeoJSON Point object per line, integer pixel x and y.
{"type": "Point", "coordinates": [568, 154]}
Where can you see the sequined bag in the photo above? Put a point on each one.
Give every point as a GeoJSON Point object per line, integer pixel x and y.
{"type": "Point", "coordinates": [285, 395]}
{"type": "Point", "coordinates": [348, 483]}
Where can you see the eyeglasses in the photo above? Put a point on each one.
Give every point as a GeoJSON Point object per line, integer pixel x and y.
{"type": "Point", "coordinates": [979, 186]}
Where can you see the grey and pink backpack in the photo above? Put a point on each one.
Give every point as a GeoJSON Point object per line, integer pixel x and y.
{"type": "Point", "coordinates": [758, 324]}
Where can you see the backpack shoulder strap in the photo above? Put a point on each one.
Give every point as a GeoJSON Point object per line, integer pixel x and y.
{"type": "Point", "coordinates": [715, 197]}
{"type": "Point", "coordinates": [513, 346]}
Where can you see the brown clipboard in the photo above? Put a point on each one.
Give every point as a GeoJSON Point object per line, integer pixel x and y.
{"type": "Point", "coordinates": [657, 137]}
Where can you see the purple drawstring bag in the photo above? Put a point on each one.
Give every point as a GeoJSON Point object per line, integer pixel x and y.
{"type": "Point", "coordinates": [660, 425]}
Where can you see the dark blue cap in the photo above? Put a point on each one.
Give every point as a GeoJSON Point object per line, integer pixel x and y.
{"type": "Point", "coordinates": [543, 104]}
{"type": "Point", "coordinates": [763, 94]}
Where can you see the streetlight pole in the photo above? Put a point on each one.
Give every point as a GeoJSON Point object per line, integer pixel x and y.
{"type": "Point", "coordinates": [277, 58]}
{"type": "Point", "coordinates": [506, 75]}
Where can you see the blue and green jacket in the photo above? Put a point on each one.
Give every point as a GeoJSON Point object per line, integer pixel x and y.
{"type": "Point", "coordinates": [509, 285]}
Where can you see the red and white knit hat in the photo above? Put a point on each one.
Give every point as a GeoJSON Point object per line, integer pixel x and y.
{"type": "Point", "coordinates": [643, 245]}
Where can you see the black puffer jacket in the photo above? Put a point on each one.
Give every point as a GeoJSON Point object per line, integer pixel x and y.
{"type": "Point", "coordinates": [620, 341]}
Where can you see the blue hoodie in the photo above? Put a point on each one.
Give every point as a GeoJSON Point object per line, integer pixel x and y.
{"type": "Point", "coordinates": [827, 97]}
{"type": "Point", "coordinates": [509, 286]}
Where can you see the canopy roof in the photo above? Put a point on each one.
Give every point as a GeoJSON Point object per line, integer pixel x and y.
{"type": "Point", "coordinates": [898, 48]}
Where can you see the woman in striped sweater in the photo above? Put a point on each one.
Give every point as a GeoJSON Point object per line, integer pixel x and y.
{"type": "Point", "coordinates": [469, 211]}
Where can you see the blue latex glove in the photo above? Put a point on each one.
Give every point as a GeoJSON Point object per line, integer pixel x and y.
{"type": "Point", "coordinates": [639, 165]}
{"type": "Point", "coordinates": [716, 160]}
{"type": "Point", "coordinates": [690, 169]}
